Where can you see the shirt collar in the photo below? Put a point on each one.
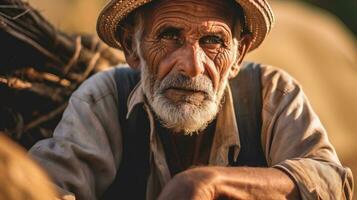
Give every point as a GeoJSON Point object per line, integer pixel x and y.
{"type": "Point", "coordinates": [226, 133]}
{"type": "Point", "coordinates": [136, 97]}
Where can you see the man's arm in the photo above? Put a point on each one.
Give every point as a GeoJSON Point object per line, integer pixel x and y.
{"type": "Point", "coordinates": [231, 183]}
{"type": "Point", "coordinates": [294, 141]}
{"type": "Point", "coordinates": [83, 155]}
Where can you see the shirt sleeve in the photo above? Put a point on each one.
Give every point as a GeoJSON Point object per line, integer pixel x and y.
{"type": "Point", "coordinates": [295, 141]}
{"type": "Point", "coordinates": [85, 150]}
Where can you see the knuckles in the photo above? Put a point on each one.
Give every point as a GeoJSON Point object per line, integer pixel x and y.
{"type": "Point", "coordinates": [197, 183]}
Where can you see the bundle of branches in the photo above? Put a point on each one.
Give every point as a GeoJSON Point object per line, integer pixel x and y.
{"type": "Point", "coordinates": [40, 67]}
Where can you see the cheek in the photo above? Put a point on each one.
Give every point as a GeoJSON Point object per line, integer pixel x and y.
{"type": "Point", "coordinates": [160, 57]}
{"type": "Point", "coordinates": [153, 53]}
{"type": "Point", "coordinates": [223, 62]}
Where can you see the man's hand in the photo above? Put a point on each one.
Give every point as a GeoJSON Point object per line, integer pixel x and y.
{"type": "Point", "coordinates": [192, 184]}
{"type": "Point", "coordinates": [208, 183]}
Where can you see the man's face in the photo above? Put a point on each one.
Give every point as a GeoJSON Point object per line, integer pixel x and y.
{"type": "Point", "coordinates": [187, 52]}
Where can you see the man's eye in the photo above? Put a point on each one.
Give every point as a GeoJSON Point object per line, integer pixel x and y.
{"type": "Point", "coordinates": [211, 39]}
{"type": "Point", "coordinates": [170, 34]}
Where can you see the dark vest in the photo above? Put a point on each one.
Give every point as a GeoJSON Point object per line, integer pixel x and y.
{"type": "Point", "coordinates": [132, 175]}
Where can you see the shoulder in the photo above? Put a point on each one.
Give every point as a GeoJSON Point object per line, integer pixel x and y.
{"type": "Point", "coordinates": [279, 88]}
{"type": "Point", "coordinates": [98, 86]}
{"type": "Point", "coordinates": [274, 79]}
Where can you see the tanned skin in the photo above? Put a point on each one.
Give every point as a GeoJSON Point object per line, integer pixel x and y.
{"type": "Point", "coordinates": [201, 37]}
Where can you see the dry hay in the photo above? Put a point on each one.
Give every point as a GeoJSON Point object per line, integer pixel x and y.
{"type": "Point", "coordinates": [40, 67]}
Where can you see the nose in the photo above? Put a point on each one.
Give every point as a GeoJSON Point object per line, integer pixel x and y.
{"type": "Point", "coordinates": [192, 60]}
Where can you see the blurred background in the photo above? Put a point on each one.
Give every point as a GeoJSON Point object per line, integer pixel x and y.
{"type": "Point", "coordinates": [314, 40]}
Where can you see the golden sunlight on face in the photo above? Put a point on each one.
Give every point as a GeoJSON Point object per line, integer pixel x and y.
{"type": "Point", "coordinates": [188, 48]}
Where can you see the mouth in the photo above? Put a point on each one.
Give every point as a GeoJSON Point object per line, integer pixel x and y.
{"type": "Point", "coordinates": [187, 90]}
{"type": "Point", "coordinates": [184, 95]}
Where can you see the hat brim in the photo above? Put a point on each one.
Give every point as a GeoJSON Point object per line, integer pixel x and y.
{"type": "Point", "coordinates": [258, 16]}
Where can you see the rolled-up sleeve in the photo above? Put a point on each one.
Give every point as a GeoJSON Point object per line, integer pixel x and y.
{"type": "Point", "coordinates": [85, 150]}
{"type": "Point", "coordinates": [295, 141]}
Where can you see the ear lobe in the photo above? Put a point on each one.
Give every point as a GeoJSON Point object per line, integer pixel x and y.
{"type": "Point", "coordinates": [133, 60]}
{"type": "Point", "coordinates": [244, 45]}
{"type": "Point", "coordinates": [234, 71]}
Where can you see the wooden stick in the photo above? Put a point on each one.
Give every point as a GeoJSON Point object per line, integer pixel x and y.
{"type": "Point", "coordinates": [45, 118]}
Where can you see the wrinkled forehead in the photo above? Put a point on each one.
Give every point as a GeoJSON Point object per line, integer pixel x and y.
{"type": "Point", "coordinates": [202, 10]}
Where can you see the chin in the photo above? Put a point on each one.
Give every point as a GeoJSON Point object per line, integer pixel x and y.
{"type": "Point", "coordinates": [184, 118]}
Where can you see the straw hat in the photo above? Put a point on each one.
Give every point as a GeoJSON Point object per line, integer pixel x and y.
{"type": "Point", "coordinates": [258, 16]}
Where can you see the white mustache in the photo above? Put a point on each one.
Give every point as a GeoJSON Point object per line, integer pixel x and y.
{"type": "Point", "coordinates": [200, 83]}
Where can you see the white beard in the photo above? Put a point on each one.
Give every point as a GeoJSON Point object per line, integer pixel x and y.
{"type": "Point", "coordinates": [185, 117]}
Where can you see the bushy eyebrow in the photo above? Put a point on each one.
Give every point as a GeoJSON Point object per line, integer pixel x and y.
{"type": "Point", "coordinates": [169, 28]}
{"type": "Point", "coordinates": [159, 28]}
{"type": "Point", "coordinates": [217, 31]}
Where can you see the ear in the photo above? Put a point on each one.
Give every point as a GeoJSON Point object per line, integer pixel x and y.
{"type": "Point", "coordinates": [244, 45]}
{"type": "Point", "coordinates": [127, 43]}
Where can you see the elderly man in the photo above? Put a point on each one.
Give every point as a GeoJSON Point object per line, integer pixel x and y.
{"type": "Point", "coordinates": [189, 120]}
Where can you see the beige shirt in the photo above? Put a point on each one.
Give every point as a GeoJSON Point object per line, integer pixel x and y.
{"type": "Point", "coordinates": [86, 149]}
